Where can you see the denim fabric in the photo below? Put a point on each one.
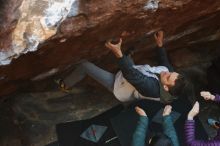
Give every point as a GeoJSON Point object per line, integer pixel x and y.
{"type": "Point", "coordinates": [105, 78]}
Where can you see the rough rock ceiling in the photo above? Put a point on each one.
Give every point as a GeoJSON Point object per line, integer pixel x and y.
{"type": "Point", "coordinates": [41, 38]}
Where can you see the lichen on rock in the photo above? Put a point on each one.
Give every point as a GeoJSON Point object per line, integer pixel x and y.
{"type": "Point", "coordinates": [38, 22]}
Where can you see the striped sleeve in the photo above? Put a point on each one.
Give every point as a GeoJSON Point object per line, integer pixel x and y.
{"type": "Point", "coordinates": [190, 136]}
{"type": "Point", "coordinates": [217, 98]}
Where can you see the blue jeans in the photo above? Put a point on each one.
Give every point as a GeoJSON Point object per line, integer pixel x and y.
{"type": "Point", "coordinates": [105, 78]}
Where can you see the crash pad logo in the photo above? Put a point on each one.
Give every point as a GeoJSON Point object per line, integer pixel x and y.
{"type": "Point", "coordinates": [94, 133]}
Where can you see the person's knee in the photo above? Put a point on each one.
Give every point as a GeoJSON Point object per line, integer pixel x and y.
{"type": "Point", "coordinates": [85, 63]}
{"type": "Point", "coordinates": [88, 66]}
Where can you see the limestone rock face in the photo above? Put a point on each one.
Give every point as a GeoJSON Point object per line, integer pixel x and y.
{"type": "Point", "coordinates": [38, 21]}
{"type": "Point", "coordinates": [40, 38]}
{"type": "Point", "coordinates": [43, 39]}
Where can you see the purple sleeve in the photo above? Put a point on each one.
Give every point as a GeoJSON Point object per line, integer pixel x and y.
{"type": "Point", "coordinates": [190, 136]}
{"type": "Point", "coordinates": [217, 98]}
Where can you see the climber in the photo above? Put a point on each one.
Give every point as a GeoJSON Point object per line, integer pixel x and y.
{"type": "Point", "coordinates": [134, 81]}
{"type": "Point", "coordinates": [158, 81]}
